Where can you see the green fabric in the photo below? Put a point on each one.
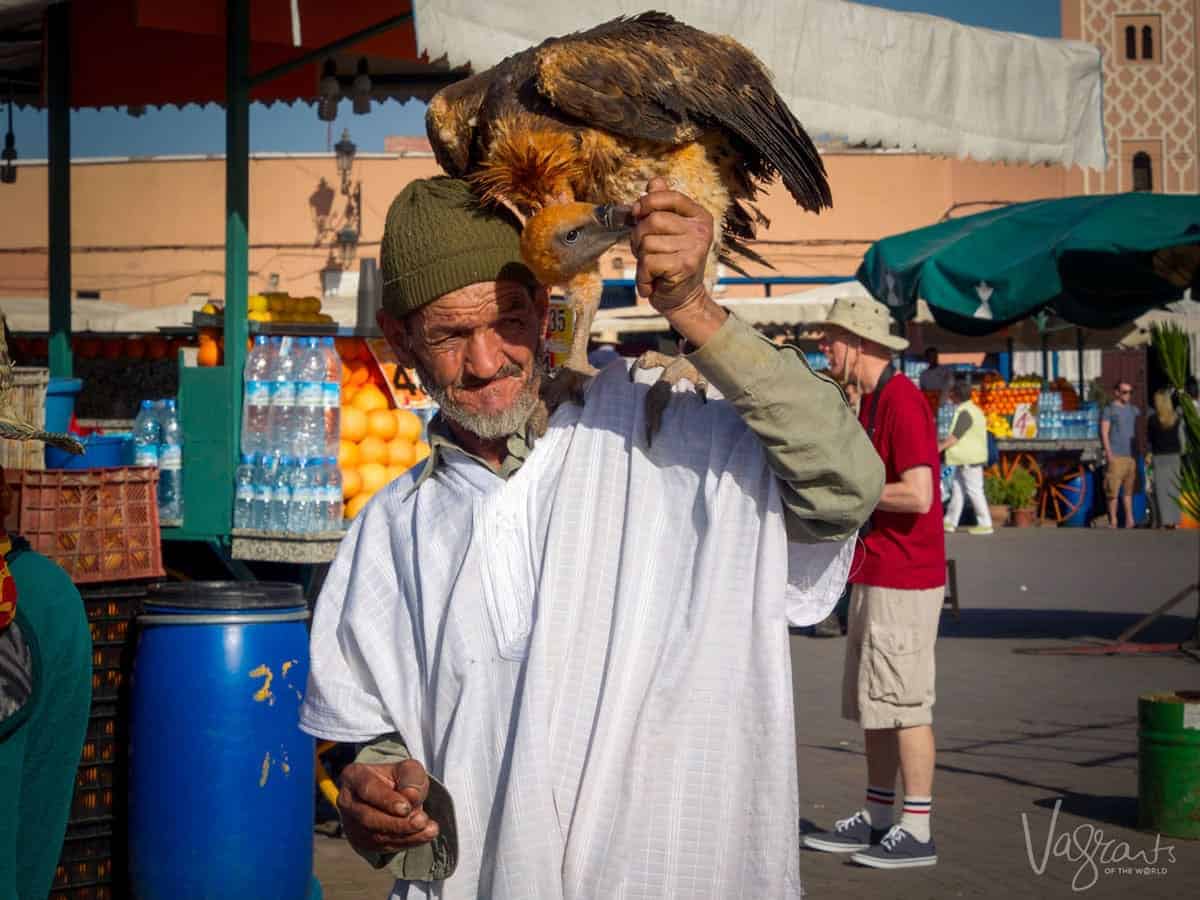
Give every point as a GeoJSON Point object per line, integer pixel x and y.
{"type": "Point", "coordinates": [39, 759]}
{"type": "Point", "coordinates": [1089, 259]}
{"type": "Point", "coordinates": [831, 475]}
{"type": "Point", "coordinates": [437, 239]}
{"type": "Point", "coordinates": [429, 862]}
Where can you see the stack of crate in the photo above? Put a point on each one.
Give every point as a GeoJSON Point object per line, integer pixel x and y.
{"type": "Point", "coordinates": [93, 861]}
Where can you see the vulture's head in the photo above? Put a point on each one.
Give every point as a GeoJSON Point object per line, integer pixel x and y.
{"type": "Point", "coordinates": [563, 240]}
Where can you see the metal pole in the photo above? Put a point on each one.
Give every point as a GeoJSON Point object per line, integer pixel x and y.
{"type": "Point", "coordinates": [58, 91]}
{"type": "Point", "coordinates": [1045, 357]}
{"type": "Point", "coordinates": [237, 202]}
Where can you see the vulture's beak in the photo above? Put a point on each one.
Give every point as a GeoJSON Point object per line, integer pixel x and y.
{"type": "Point", "coordinates": [615, 219]}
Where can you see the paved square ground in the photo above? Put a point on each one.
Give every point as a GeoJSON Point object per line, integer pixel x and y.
{"type": "Point", "coordinates": [1018, 734]}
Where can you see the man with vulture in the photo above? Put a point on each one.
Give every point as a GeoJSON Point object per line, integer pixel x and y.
{"type": "Point", "coordinates": [561, 645]}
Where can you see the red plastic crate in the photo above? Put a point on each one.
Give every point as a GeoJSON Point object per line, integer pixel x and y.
{"type": "Point", "coordinates": [98, 524]}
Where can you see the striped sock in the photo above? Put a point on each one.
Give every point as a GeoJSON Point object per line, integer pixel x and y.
{"type": "Point", "coordinates": [879, 806]}
{"type": "Point", "coordinates": [915, 817]}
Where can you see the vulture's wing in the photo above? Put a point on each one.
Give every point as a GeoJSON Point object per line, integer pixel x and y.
{"type": "Point", "coordinates": [654, 78]}
{"type": "Point", "coordinates": [450, 120]}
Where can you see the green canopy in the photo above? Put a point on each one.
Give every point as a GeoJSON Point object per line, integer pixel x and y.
{"type": "Point", "coordinates": [1098, 262]}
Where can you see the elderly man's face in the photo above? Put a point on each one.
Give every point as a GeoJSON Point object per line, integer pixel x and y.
{"type": "Point", "coordinates": [478, 352]}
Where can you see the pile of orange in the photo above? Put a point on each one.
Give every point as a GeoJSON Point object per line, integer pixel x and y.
{"type": "Point", "coordinates": [378, 443]}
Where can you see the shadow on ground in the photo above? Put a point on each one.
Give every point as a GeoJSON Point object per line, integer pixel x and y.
{"type": "Point", "coordinates": [1060, 624]}
{"type": "Point", "coordinates": [1119, 811]}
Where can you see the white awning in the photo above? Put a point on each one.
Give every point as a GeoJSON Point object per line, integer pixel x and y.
{"type": "Point", "coordinates": [872, 75]}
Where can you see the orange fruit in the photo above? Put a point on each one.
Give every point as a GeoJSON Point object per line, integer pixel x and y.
{"type": "Point", "coordinates": [354, 507]}
{"type": "Point", "coordinates": [371, 450]}
{"type": "Point", "coordinates": [408, 425]}
{"type": "Point", "coordinates": [347, 454]}
{"type": "Point", "coordinates": [208, 355]}
{"type": "Point", "coordinates": [348, 392]}
{"type": "Point", "coordinates": [394, 472]}
{"type": "Point", "coordinates": [359, 372]}
{"type": "Point", "coordinates": [374, 476]}
{"type": "Point", "coordinates": [382, 424]}
{"type": "Point", "coordinates": [354, 424]}
{"type": "Point", "coordinates": [401, 453]}
{"type": "Point", "coordinates": [368, 398]}
{"type": "Point", "coordinates": [421, 449]}
{"type": "Point", "coordinates": [351, 483]}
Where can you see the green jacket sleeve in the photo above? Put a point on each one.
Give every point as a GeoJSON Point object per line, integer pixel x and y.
{"type": "Point", "coordinates": [830, 475]}
{"type": "Point", "coordinates": [428, 862]}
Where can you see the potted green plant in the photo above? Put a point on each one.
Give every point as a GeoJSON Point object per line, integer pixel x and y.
{"type": "Point", "coordinates": [1022, 490]}
{"type": "Point", "coordinates": [995, 489]}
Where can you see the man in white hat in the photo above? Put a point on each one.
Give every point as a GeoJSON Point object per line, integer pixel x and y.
{"type": "Point", "coordinates": [898, 577]}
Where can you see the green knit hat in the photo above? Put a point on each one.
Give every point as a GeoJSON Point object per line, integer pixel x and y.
{"type": "Point", "coordinates": [438, 239]}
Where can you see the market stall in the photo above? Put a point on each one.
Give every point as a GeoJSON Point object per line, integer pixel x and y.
{"type": "Point", "coordinates": [1094, 263]}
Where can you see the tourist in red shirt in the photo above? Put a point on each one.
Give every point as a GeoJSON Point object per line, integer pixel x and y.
{"type": "Point", "coordinates": [898, 577]}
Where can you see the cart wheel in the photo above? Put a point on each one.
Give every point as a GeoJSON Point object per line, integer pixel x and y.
{"type": "Point", "coordinates": [1010, 461]}
{"type": "Point", "coordinates": [1063, 491]}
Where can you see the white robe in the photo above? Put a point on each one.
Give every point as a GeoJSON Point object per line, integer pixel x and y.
{"type": "Point", "coordinates": [592, 655]}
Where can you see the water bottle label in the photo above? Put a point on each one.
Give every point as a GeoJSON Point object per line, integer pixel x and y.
{"type": "Point", "coordinates": [258, 393]}
{"type": "Point", "coordinates": [283, 393]}
{"type": "Point", "coordinates": [145, 456]}
{"type": "Point", "coordinates": [170, 457]}
{"type": "Point", "coordinates": [332, 396]}
{"type": "Point", "coordinates": [262, 492]}
{"type": "Point", "coordinates": [310, 394]}
{"type": "Point", "coordinates": [281, 493]}
{"type": "Point", "coordinates": [245, 492]}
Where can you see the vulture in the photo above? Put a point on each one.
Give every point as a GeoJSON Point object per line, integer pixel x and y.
{"type": "Point", "coordinates": [567, 134]}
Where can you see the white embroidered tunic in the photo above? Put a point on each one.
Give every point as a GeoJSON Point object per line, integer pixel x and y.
{"type": "Point", "coordinates": [592, 656]}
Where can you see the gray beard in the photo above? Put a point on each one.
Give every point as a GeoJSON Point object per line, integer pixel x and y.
{"type": "Point", "coordinates": [489, 427]}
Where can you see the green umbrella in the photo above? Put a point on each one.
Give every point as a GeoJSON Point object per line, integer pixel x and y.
{"type": "Point", "coordinates": [1097, 262]}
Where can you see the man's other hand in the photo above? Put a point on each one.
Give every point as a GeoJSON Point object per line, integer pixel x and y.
{"type": "Point", "coordinates": [381, 806]}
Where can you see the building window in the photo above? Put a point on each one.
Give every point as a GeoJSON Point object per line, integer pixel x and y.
{"type": "Point", "coordinates": [1138, 39]}
{"type": "Point", "coordinates": [1143, 172]}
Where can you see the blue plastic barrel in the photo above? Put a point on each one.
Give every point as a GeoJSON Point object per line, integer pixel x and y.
{"type": "Point", "coordinates": [60, 402]}
{"type": "Point", "coordinates": [221, 777]}
{"type": "Point", "coordinates": [1083, 515]}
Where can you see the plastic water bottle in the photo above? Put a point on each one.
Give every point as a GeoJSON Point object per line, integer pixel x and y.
{"type": "Point", "coordinates": [279, 508]}
{"type": "Point", "coordinates": [282, 416]}
{"type": "Point", "coordinates": [170, 465]}
{"type": "Point", "coordinates": [256, 398]}
{"type": "Point", "coordinates": [310, 399]}
{"type": "Point", "coordinates": [332, 396]}
{"type": "Point", "coordinates": [146, 436]}
{"type": "Point", "coordinates": [261, 501]}
{"type": "Point", "coordinates": [333, 495]}
{"type": "Point", "coordinates": [243, 495]}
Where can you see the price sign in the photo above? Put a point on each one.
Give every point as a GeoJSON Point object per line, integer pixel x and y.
{"type": "Point", "coordinates": [560, 331]}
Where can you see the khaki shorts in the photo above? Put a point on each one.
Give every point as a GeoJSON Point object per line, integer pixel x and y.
{"type": "Point", "coordinates": [1122, 473]}
{"type": "Point", "coordinates": [889, 675]}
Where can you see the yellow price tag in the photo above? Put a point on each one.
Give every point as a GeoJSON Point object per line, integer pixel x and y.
{"type": "Point", "coordinates": [560, 331]}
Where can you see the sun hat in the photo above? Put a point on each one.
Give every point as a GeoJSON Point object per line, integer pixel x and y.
{"type": "Point", "coordinates": [12, 426]}
{"type": "Point", "coordinates": [867, 318]}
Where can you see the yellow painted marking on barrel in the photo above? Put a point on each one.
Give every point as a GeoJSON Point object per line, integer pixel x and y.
{"type": "Point", "coordinates": [264, 692]}
{"type": "Point", "coordinates": [266, 769]}
{"type": "Point", "coordinates": [287, 665]}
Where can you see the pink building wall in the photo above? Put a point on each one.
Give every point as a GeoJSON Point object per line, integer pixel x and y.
{"type": "Point", "coordinates": [150, 232]}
